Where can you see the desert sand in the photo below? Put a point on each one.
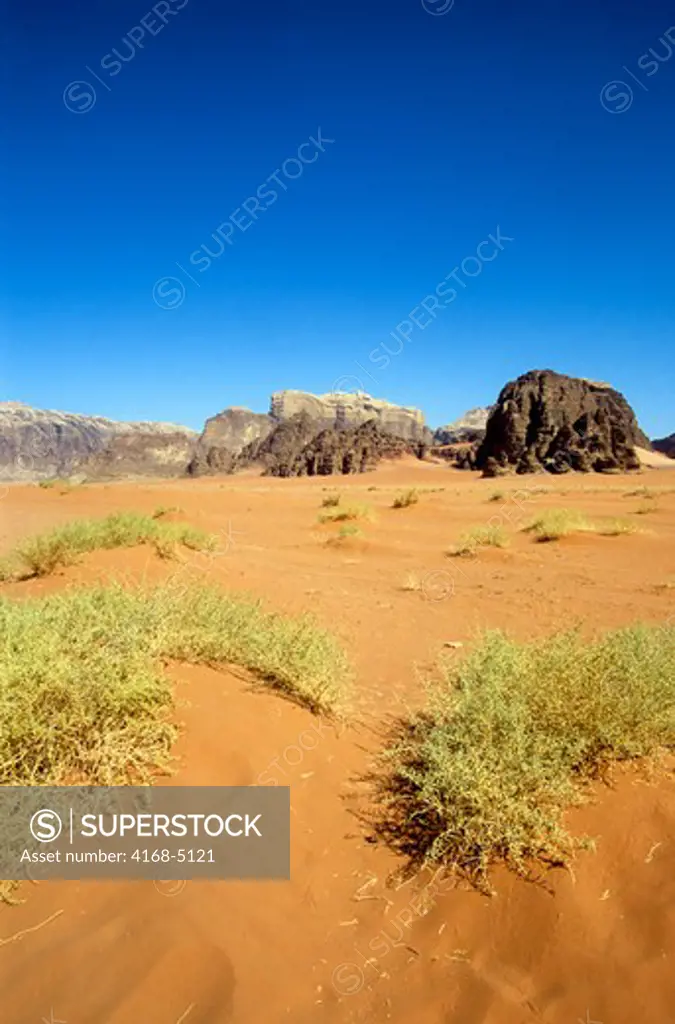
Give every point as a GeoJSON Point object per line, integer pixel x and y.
{"type": "Point", "coordinates": [342, 941]}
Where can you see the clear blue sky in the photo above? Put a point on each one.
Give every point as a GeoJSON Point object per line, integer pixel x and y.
{"type": "Point", "coordinates": [445, 126]}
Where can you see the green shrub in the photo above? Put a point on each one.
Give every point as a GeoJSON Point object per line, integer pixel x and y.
{"type": "Point", "coordinates": [47, 552]}
{"type": "Point", "coordinates": [561, 522]}
{"type": "Point", "coordinates": [556, 523]}
{"type": "Point", "coordinates": [510, 738]}
{"type": "Point", "coordinates": [83, 692]}
{"type": "Point", "coordinates": [346, 531]}
{"type": "Point", "coordinates": [342, 514]}
{"type": "Point", "coordinates": [481, 536]}
{"type": "Point", "coordinates": [349, 530]}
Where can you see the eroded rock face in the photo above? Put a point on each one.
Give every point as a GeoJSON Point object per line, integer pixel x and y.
{"type": "Point", "coordinates": [346, 409]}
{"type": "Point", "coordinates": [350, 450]}
{"type": "Point", "coordinates": [548, 421]}
{"type": "Point", "coordinates": [224, 437]}
{"type": "Point", "coordinates": [36, 444]}
{"type": "Point", "coordinates": [665, 445]}
{"type": "Point", "coordinates": [280, 450]}
{"type": "Point", "coordinates": [237, 438]}
{"type": "Point", "coordinates": [294, 448]}
{"type": "Point", "coordinates": [140, 454]}
{"type": "Point", "coordinates": [469, 427]}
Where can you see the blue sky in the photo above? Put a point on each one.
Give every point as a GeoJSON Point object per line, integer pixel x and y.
{"type": "Point", "coordinates": [137, 134]}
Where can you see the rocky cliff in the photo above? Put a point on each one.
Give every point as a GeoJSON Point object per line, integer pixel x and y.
{"type": "Point", "coordinates": [225, 436]}
{"type": "Point", "coordinates": [470, 426]}
{"type": "Point", "coordinates": [665, 445]}
{"type": "Point", "coordinates": [290, 452]}
{"type": "Point", "coordinates": [238, 437]}
{"type": "Point", "coordinates": [140, 453]}
{"type": "Point", "coordinates": [548, 421]}
{"type": "Point", "coordinates": [294, 447]}
{"type": "Point", "coordinates": [346, 409]}
{"type": "Point", "coordinates": [37, 444]}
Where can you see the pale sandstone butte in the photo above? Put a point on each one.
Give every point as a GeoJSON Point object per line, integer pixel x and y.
{"type": "Point", "coordinates": [350, 409]}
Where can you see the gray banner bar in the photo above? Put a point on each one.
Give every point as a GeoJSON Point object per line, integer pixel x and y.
{"type": "Point", "coordinates": [153, 832]}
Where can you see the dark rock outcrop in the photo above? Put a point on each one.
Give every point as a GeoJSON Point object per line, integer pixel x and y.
{"type": "Point", "coordinates": [665, 445]}
{"type": "Point", "coordinates": [36, 444]}
{"type": "Point", "coordinates": [237, 438]}
{"type": "Point", "coordinates": [278, 453]}
{"type": "Point", "coordinates": [548, 421]}
{"type": "Point", "coordinates": [352, 450]}
{"type": "Point", "coordinates": [224, 437]}
{"type": "Point", "coordinates": [294, 448]}
{"type": "Point", "coordinates": [461, 454]}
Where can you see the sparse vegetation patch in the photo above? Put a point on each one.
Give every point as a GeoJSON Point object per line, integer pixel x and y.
{"type": "Point", "coordinates": [510, 738]}
{"type": "Point", "coordinates": [331, 501]}
{"type": "Point", "coordinates": [406, 498]}
{"type": "Point", "coordinates": [45, 553]}
{"type": "Point", "coordinates": [345, 513]}
{"type": "Point", "coordinates": [481, 536]}
{"type": "Point", "coordinates": [561, 522]}
{"type": "Point", "coordinates": [83, 694]}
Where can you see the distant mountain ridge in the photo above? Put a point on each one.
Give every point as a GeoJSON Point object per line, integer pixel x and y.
{"type": "Point", "coordinates": [36, 444]}
{"type": "Point", "coordinates": [580, 424]}
{"type": "Point", "coordinates": [236, 436]}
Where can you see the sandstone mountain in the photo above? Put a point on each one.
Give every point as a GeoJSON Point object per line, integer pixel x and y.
{"type": "Point", "coordinates": [238, 437]}
{"type": "Point", "coordinates": [36, 444]}
{"type": "Point", "coordinates": [295, 448]}
{"type": "Point", "coordinates": [347, 409]}
{"type": "Point", "coordinates": [548, 421]}
{"type": "Point", "coordinates": [331, 451]}
{"type": "Point", "coordinates": [470, 426]}
{"type": "Point", "coordinates": [225, 436]}
{"type": "Point", "coordinates": [141, 452]}
{"type": "Point", "coordinates": [666, 445]}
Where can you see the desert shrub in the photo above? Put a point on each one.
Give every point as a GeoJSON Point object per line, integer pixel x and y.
{"type": "Point", "coordinates": [556, 523]}
{"type": "Point", "coordinates": [406, 498]}
{"type": "Point", "coordinates": [331, 501]}
{"type": "Point", "coordinates": [47, 552]}
{"type": "Point", "coordinates": [510, 738]}
{"type": "Point", "coordinates": [614, 527]}
{"type": "Point", "coordinates": [349, 530]}
{"type": "Point", "coordinates": [561, 522]}
{"type": "Point", "coordinates": [481, 536]}
{"type": "Point", "coordinates": [83, 693]}
{"type": "Point", "coordinates": [345, 513]}
{"type": "Point", "coordinates": [346, 531]}
{"type": "Point", "coordinates": [166, 510]}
